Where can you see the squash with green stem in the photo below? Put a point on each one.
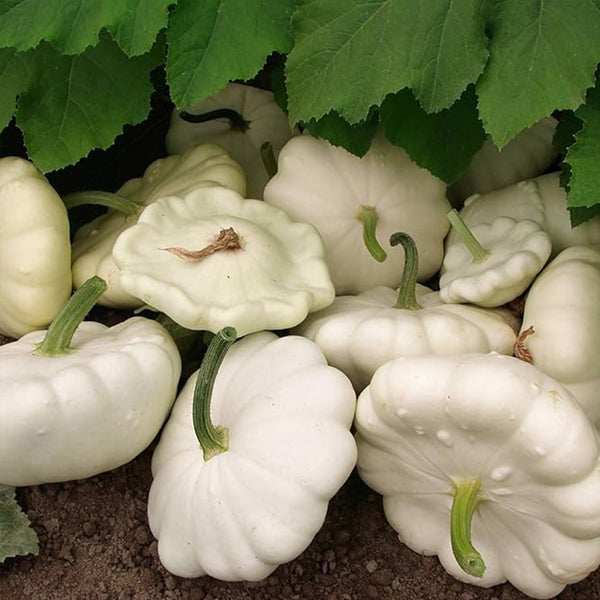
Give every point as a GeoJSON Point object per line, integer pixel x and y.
{"type": "Point", "coordinates": [206, 165]}
{"type": "Point", "coordinates": [493, 263]}
{"type": "Point", "coordinates": [357, 203]}
{"type": "Point", "coordinates": [257, 443]}
{"type": "Point", "coordinates": [244, 120]}
{"type": "Point", "coordinates": [488, 463]}
{"type": "Point", "coordinates": [82, 398]}
{"type": "Point", "coordinates": [541, 200]}
{"type": "Point", "coordinates": [213, 258]}
{"type": "Point", "coordinates": [359, 333]}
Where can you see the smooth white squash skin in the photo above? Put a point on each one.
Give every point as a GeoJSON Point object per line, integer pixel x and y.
{"type": "Point", "coordinates": [326, 186]}
{"type": "Point", "coordinates": [88, 411]}
{"type": "Point", "coordinates": [35, 250]}
{"type": "Point", "coordinates": [268, 123]}
{"type": "Point", "coordinates": [563, 307]}
{"type": "Point", "coordinates": [201, 166]}
{"type": "Point", "coordinates": [518, 250]}
{"type": "Point", "coordinates": [360, 333]}
{"type": "Point", "coordinates": [425, 424]}
{"type": "Point", "coordinates": [272, 281]}
{"type": "Point", "coordinates": [242, 513]}
{"type": "Point", "coordinates": [541, 200]}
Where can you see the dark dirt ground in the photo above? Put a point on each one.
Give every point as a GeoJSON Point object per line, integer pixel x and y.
{"type": "Point", "coordinates": [95, 544]}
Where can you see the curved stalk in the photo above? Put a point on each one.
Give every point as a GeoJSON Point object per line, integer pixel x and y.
{"type": "Point", "coordinates": [268, 158]}
{"type": "Point", "coordinates": [60, 333]}
{"type": "Point", "coordinates": [407, 294]}
{"type": "Point", "coordinates": [368, 216]}
{"type": "Point", "coordinates": [101, 198]}
{"type": "Point", "coordinates": [236, 121]}
{"type": "Point", "coordinates": [478, 252]}
{"type": "Point", "coordinates": [213, 440]}
{"type": "Point", "coordinates": [466, 498]}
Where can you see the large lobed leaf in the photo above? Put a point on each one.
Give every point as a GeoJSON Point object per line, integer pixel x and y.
{"type": "Point", "coordinates": [443, 142]}
{"type": "Point", "coordinates": [215, 41]}
{"type": "Point", "coordinates": [72, 104]}
{"type": "Point", "coordinates": [350, 54]}
{"type": "Point", "coordinates": [73, 25]}
{"type": "Point", "coordinates": [79, 69]}
{"type": "Point", "coordinates": [543, 55]}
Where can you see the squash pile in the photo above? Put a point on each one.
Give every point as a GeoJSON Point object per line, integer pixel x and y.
{"type": "Point", "coordinates": [476, 422]}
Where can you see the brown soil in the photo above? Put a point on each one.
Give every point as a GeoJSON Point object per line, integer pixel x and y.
{"type": "Point", "coordinates": [95, 544]}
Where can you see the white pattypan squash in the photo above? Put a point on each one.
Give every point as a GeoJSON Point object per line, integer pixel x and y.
{"type": "Point", "coordinates": [241, 119]}
{"type": "Point", "coordinates": [495, 262]}
{"type": "Point", "coordinates": [541, 200]}
{"type": "Point", "coordinates": [237, 499]}
{"type": "Point", "coordinates": [73, 406]}
{"type": "Point", "coordinates": [212, 258]}
{"type": "Point", "coordinates": [35, 250]}
{"type": "Point", "coordinates": [206, 165]}
{"type": "Point", "coordinates": [351, 199]}
{"type": "Point", "coordinates": [561, 324]}
{"type": "Point", "coordinates": [359, 333]}
{"type": "Point", "coordinates": [527, 155]}
{"type": "Point", "coordinates": [488, 463]}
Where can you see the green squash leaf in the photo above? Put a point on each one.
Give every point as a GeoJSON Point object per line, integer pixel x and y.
{"type": "Point", "coordinates": [355, 138]}
{"type": "Point", "coordinates": [443, 143]}
{"type": "Point", "coordinates": [350, 55]}
{"type": "Point", "coordinates": [583, 157]}
{"type": "Point", "coordinates": [278, 86]}
{"type": "Point", "coordinates": [135, 29]}
{"type": "Point", "coordinates": [13, 75]}
{"type": "Point", "coordinates": [216, 41]}
{"type": "Point", "coordinates": [543, 56]}
{"type": "Point", "coordinates": [73, 25]}
{"type": "Point", "coordinates": [564, 136]}
{"type": "Point", "coordinates": [73, 104]}
{"type": "Point", "coordinates": [16, 535]}
{"type": "Point", "coordinates": [581, 214]}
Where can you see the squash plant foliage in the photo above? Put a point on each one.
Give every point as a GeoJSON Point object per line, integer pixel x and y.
{"type": "Point", "coordinates": [438, 75]}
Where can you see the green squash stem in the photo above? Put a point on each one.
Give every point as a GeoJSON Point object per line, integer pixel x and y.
{"type": "Point", "coordinates": [58, 338]}
{"type": "Point", "coordinates": [368, 216]}
{"type": "Point", "coordinates": [213, 440]}
{"type": "Point", "coordinates": [101, 198]}
{"type": "Point", "coordinates": [478, 252]}
{"type": "Point", "coordinates": [268, 158]}
{"type": "Point", "coordinates": [407, 293]}
{"type": "Point", "coordinates": [466, 498]}
{"type": "Point", "coordinates": [236, 121]}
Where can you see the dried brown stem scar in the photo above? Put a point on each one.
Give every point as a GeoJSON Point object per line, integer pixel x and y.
{"type": "Point", "coordinates": [227, 239]}
{"type": "Point", "coordinates": [520, 349]}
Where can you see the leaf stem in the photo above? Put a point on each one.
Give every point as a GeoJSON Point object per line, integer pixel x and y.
{"type": "Point", "coordinates": [268, 159]}
{"type": "Point", "coordinates": [368, 216]}
{"type": "Point", "coordinates": [101, 198]}
{"type": "Point", "coordinates": [466, 498]}
{"type": "Point", "coordinates": [236, 121]}
{"type": "Point", "coordinates": [60, 333]}
{"type": "Point", "coordinates": [478, 252]}
{"type": "Point", "coordinates": [407, 293]}
{"type": "Point", "coordinates": [213, 440]}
